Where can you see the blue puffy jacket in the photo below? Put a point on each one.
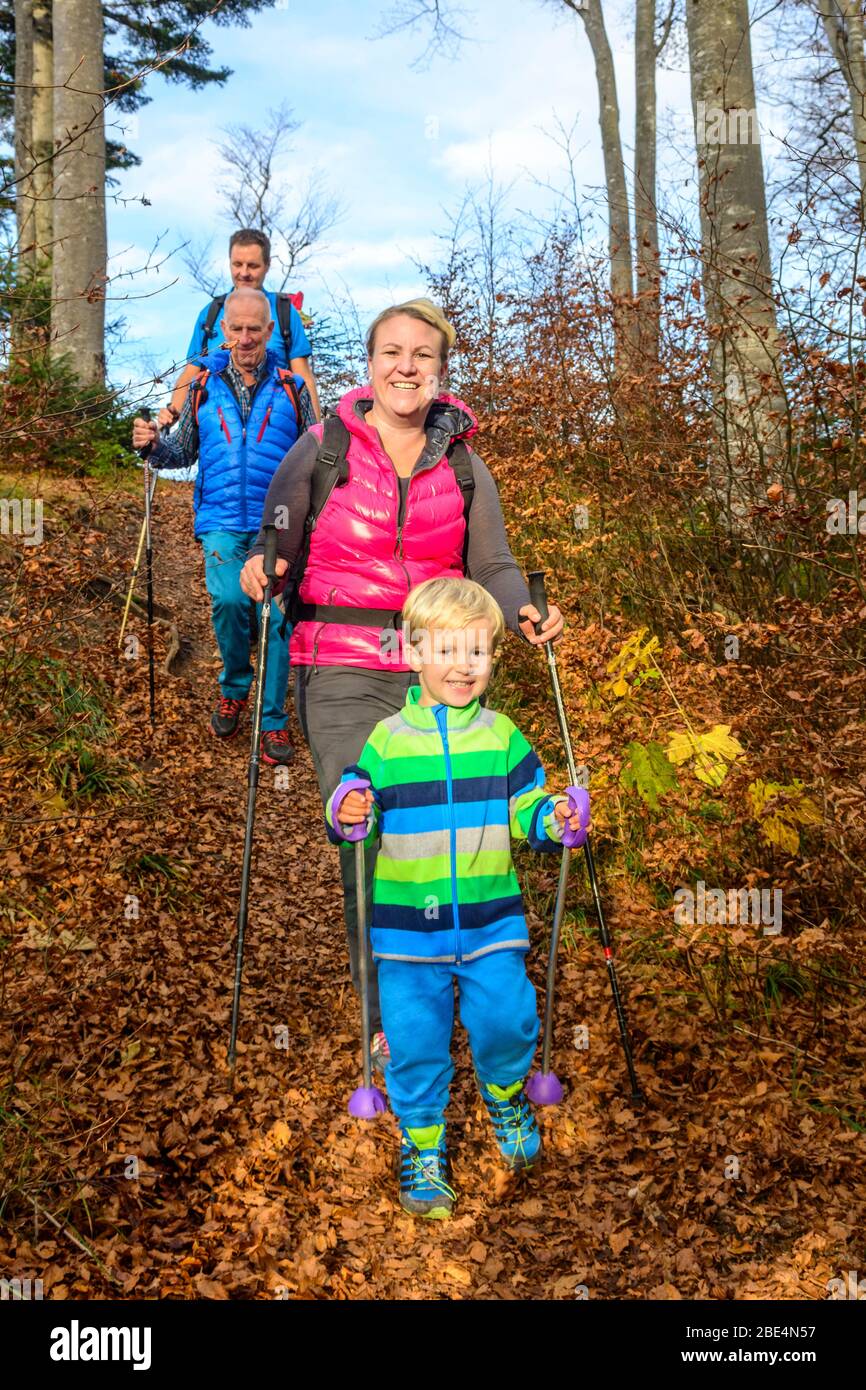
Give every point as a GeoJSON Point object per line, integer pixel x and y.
{"type": "Point", "coordinates": [237, 461]}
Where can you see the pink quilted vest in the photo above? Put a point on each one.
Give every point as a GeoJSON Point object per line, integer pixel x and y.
{"type": "Point", "coordinates": [356, 555]}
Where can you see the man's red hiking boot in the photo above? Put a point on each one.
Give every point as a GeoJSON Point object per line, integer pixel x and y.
{"type": "Point", "coordinates": [277, 748]}
{"type": "Point", "coordinates": [226, 717]}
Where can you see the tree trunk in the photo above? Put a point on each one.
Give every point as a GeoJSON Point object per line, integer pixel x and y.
{"type": "Point", "coordinates": [43, 129]}
{"type": "Point", "coordinates": [741, 317]}
{"type": "Point", "coordinates": [80, 248]}
{"type": "Point", "coordinates": [24, 219]}
{"type": "Point", "coordinates": [645, 217]}
{"type": "Point", "coordinates": [619, 231]}
{"type": "Point", "coordinates": [843, 24]}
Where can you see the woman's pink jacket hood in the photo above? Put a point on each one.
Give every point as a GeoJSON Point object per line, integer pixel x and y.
{"type": "Point", "coordinates": [363, 554]}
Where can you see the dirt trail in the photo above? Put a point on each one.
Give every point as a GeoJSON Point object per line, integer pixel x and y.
{"type": "Point", "coordinates": [268, 1188]}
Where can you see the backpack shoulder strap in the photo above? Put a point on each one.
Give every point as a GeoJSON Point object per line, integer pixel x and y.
{"type": "Point", "coordinates": [287, 381]}
{"type": "Point", "coordinates": [460, 459]}
{"type": "Point", "coordinates": [198, 393]}
{"type": "Point", "coordinates": [213, 313]}
{"type": "Point", "coordinates": [284, 321]}
{"type": "Point", "coordinates": [330, 470]}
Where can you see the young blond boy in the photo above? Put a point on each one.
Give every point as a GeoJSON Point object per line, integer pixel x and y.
{"type": "Point", "coordinates": [446, 783]}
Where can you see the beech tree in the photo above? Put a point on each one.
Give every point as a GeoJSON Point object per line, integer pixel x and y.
{"type": "Point", "coordinates": [80, 252]}
{"type": "Point", "coordinates": [33, 117]}
{"type": "Point", "coordinates": [843, 25]}
{"type": "Point", "coordinates": [735, 254]}
{"type": "Point", "coordinates": [648, 47]}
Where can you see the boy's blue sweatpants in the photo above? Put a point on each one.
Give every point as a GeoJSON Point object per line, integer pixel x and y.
{"type": "Point", "coordinates": [497, 1009]}
{"type": "Point", "coordinates": [224, 556]}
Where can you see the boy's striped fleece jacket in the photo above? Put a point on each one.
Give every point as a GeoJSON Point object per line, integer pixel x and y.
{"type": "Point", "coordinates": [450, 787]}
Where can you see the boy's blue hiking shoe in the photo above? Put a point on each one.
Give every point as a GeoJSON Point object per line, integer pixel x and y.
{"type": "Point", "coordinates": [513, 1124]}
{"type": "Point", "coordinates": [424, 1189]}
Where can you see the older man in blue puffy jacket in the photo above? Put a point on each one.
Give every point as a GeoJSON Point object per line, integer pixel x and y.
{"type": "Point", "coordinates": [242, 415]}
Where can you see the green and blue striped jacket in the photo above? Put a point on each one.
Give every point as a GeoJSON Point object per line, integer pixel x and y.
{"type": "Point", "coordinates": [450, 786]}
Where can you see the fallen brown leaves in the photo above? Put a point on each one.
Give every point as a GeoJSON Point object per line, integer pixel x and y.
{"type": "Point", "coordinates": [121, 1119]}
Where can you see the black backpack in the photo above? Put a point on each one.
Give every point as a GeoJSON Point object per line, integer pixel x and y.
{"type": "Point", "coordinates": [331, 470]}
{"type": "Point", "coordinates": [284, 320]}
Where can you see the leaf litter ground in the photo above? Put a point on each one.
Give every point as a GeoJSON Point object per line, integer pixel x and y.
{"type": "Point", "coordinates": [134, 1167]}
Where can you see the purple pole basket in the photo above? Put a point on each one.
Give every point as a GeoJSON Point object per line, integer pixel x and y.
{"type": "Point", "coordinates": [366, 1102]}
{"type": "Point", "coordinates": [544, 1088]}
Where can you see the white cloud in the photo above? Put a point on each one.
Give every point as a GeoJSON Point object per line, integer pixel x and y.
{"type": "Point", "coordinates": [398, 146]}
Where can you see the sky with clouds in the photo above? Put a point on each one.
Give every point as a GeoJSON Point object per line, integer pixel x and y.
{"type": "Point", "coordinates": [399, 146]}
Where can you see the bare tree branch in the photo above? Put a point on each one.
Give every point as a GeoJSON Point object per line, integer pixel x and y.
{"type": "Point", "coordinates": [198, 259]}
{"type": "Point", "coordinates": [256, 195]}
{"type": "Point", "coordinates": [444, 34]}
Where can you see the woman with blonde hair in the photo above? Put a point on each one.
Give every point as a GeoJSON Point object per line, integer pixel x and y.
{"type": "Point", "coordinates": [400, 516]}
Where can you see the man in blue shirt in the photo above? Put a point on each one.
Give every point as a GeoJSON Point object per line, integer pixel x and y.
{"type": "Point", "coordinates": [249, 262]}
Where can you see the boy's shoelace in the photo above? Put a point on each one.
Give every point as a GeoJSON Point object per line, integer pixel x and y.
{"type": "Point", "coordinates": [513, 1121]}
{"type": "Point", "coordinates": [422, 1170]}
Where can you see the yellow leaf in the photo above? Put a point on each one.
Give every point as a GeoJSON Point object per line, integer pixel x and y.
{"type": "Point", "coordinates": [710, 771]}
{"type": "Point", "coordinates": [788, 807]}
{"type": "Point", "coordinates": [621, 687]}
{"type": "Point", "coordinates": [680, 748]}
{"type": "Point", "coordinates": [779, 832]}
{"type": "Point", "coordinates": [758, 796]}
{"type": "Point", "coordinates": [711, 751]}
{"type": "Point", "coordinates": [720, 740]}
{"type": "Point", "coordinates": [807, 812]}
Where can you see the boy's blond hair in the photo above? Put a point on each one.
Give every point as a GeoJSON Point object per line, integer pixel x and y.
{"type": "Point", "coordinates": [451, 603]}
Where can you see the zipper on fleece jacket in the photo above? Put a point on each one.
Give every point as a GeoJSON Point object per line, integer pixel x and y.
{"type": "Point", "coordinates": [442, 721]}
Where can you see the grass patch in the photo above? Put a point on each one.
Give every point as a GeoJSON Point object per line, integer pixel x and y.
{"type": "Point", "coordinates": [59, 726]}
{"type": "Point", "coordinates": [164, 879]}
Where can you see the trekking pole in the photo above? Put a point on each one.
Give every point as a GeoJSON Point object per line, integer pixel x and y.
{"type": "Point", "coordinates": [544, 1088]}
{"type": "Point", "coordinates": [144, 454]}
{"type": "Point", "coordinates": [270, 568]}
{"type": "Point", "coordinates": [366, 1100]}
{"type": "Point", "coordinates": [135, 568]}
{"type": "Point", "coordinates": [145, 415]}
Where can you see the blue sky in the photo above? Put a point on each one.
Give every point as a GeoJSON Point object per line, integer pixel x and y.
{"type": "Point", "coordinates": [398, 146]}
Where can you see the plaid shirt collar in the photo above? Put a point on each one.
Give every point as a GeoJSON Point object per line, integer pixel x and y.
{"type": "Point", "coordinates": [238, 386]}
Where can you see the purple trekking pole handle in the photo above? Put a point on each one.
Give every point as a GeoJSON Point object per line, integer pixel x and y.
{"type": "Point", "coordinates": [362, 829]}
{"type": "Point", "coordinates": [578, 804]}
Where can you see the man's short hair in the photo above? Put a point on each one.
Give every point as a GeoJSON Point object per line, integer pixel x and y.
{"type": "Point", "coordinates": [250, 236]}
{"type": "Point", "coordinates": [246, 292]}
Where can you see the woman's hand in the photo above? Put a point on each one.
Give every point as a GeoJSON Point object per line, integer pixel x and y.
{"type": "Point", "coordinates": [355, 807]}
{"type": "Point", "coordinates": [254, 581]}
{"type": "Point", "coordinates": [529, 615]}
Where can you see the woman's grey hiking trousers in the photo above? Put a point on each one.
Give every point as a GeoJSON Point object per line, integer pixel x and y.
{"type": "Point", "coordinates": [338, 707]}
